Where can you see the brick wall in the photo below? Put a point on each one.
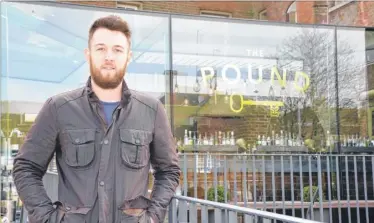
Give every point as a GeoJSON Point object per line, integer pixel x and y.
{"type": "Point", "coordinates": [248, 124]}
{"type": "Point", "coordinates": [276, 11]}
{"type": "Point", "coordinates": [355, 13]}
{"type": "Point", "coordinates": [305, 13]}
{"type": "Point", "coordinates": [246, 10]}
{"type": "Point", "coordinates": [108, 4]}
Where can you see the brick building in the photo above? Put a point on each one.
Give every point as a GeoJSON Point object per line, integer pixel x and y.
{"type": "Point", "coordinates": [355, 13]}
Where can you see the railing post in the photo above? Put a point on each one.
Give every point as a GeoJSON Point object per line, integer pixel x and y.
{"type": "Point", "coordinates": [173, 211]}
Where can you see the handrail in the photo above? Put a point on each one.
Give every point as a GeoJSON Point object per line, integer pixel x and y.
{"type": "Point", "coordinates": [247, 211]}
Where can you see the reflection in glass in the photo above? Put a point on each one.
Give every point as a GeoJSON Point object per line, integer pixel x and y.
{"type": "Point", "coordinates": [42, 55]}
{"type": "Point", "coordinates": [353, 84]}
{"type": "Point", "coordinates": [255, 84]}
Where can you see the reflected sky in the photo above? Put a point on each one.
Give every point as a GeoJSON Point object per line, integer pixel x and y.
{"type": "Point", "coordinates": [42, 51]}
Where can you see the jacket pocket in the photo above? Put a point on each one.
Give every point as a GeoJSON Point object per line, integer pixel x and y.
{"type": "Point", "coordinates": [142, 218]}
{"type": "Point", "coordinates": [75, 214]}
{"type": "Point", "coordinates": [134, 147]}
{"type": "Point", "coordinates": [80, 150]}
{"type": "Point", "coordinates": [140, 202]}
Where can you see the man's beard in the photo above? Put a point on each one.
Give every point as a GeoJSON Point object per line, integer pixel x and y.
{"type": "Point", "coordinates": [106, 81]}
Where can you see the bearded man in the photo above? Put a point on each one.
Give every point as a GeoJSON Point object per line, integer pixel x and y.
{"type": "Point", "coordinates": [105, 138]}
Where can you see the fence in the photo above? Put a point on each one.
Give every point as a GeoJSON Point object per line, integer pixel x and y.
{"type": "Point", "coordinates": [320, 187]}
{"type": "Point", "coordinates": [192, 210]}
{"type": "Point", "coordinates": [323, 187]}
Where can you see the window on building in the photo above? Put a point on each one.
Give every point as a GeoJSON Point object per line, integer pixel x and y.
{"type": "Point", "coordinates": [216, 14]}
{"type": "Point", "coordinates": [333, 5]}
{"type": "Point", "coordinates": [129, 5]}
{"type": "Point", "coordinates": [291, 13]}
{"type": "Point", "coordinates": [263, 15]}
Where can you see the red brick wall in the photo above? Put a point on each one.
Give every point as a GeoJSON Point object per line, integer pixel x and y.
{"type": "Point", "coordinates": [109, 4]}
{"type": "Point", "coordinates": [365, 13]}
{"type": "Point", "coordinates": [277, 10]}
{"type": "Point", "coordinates": [247, 10]}
{"type": "Point", "coordinates": [305, 12]}
{"type": "Point", "coordinates": [356, 13]}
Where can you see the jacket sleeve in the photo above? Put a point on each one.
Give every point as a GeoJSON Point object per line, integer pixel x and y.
{"type": "Point", "coordinates": [164, 160]}
{"type": "Point", "coordinates": [31, 164]}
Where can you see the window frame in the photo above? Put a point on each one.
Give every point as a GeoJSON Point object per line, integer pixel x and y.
{"type": "Point", "coordinates": [288, 12]}
{"type": "Point", "coordinates": [261, 13]}
{"type": "Point", "coordinates": [129, 5]}
{"type": "Point", "coordinates": [338, 4]}
{"type": "Point", "coordinates": [216, 14]}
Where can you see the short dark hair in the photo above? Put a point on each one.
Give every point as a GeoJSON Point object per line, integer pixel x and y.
{"type": "Point", "coordinates": [111, 22]}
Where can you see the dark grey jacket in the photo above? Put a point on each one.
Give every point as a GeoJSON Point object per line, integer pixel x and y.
{"type": "Point", "coordinates": [103, 170]}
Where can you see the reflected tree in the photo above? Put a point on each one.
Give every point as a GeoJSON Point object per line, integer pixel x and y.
{"type": "Point", "coordinates": [312, 114]}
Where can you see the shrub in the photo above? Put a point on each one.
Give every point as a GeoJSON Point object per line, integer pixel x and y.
{"type": "Point", "coordinates": [306, 193]}
{"type": "Point", "coordinates": [220, 194]}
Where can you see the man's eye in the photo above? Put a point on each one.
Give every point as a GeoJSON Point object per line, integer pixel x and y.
{"type": "Point", "coordinates": [118, 50]}
{"type": "Point", "coordinates": [100, 49]}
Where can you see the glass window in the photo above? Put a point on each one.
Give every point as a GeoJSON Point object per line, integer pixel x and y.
{"type": "Point", "coordinates": [42, 54]}
{"type": "Point", "coordinates": [292, 13]}
{"type": "Point", "coordinates": [263, 15]}
{"type": "Point", "coordinates": [244, 89]}
{"type": "Point", "coordinates": [354, 88]}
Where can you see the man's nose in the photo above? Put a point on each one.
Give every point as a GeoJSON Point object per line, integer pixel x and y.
{"type": "Point", "coordinates": [109, 55]}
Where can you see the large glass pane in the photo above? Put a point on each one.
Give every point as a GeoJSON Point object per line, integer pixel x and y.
{"type": "Point", "coordinates": [354, 87]}
{"type": "Point", "coordinates": [355, 81]}
{"type": "Point", "coordinates": [269, 85]}
{"type": "Point", "coordinates": [42, 55]}
{"type": "Point", "coordinates": [251, 88]}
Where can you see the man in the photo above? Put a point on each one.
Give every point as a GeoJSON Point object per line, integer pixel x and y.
{"type": "Point", "coordinates": [105, 137]}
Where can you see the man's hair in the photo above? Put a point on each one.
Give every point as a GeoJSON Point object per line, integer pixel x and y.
{"type": "Point", "coordinates": [113, 23]}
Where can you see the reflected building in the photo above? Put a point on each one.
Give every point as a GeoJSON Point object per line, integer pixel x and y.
{"type": "Point", "coordinates": [231, 87]}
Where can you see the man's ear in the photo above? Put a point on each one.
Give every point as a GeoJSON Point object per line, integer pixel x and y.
{"type": "Point", "coordinates": [129, 57]}
{"type": "Point", "coordinates": [87, 54]}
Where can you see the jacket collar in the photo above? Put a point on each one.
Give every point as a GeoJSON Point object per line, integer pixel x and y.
{"type": "Point", "coordinates": [92, 97]}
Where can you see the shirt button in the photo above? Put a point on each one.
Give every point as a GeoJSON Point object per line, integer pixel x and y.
{"type": "Point", "coordinates": [106, 141]}
{"type": "Point", "coordinates": [68, 208]}
{"type": "Point", "coordinates": [137, 141]}
{"type": "Point", "coordinates": [101, 183]}
{"type": "Point", "coordinates": [77, 140]}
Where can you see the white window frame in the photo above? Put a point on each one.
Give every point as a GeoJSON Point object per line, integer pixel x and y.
{"type": "Point", "coordinates": [292, 8]}
{"type": "Point", "coordinates": [261, 13]}
{"type": "Point", "coordinates": [340, 3]}
{"type": "Point", "coordinates": [215, 14]}
{"type": "Point", "coordinates": [129, 5]}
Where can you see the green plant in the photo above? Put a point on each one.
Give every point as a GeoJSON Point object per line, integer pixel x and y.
{"type": "Point", "coordinates": [220, 194]}
{"type": "Point", "coordinates": [306, 193]}
{"type": "Point", "coordinates": [251, 13]}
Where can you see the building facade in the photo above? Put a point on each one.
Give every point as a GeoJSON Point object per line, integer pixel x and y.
{"type": "Point", "coordinates": [352, 13]}
{"type": "Point", "coordinates": [230, 86]}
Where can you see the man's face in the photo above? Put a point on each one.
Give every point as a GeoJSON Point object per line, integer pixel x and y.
{"type": "Point", "coordinates": [108, 56]}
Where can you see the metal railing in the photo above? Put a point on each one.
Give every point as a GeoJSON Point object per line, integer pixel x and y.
{"type": "Point", "coordinates": [322, 187]}
{"type": "Point", "coordinates": [193, 210]}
